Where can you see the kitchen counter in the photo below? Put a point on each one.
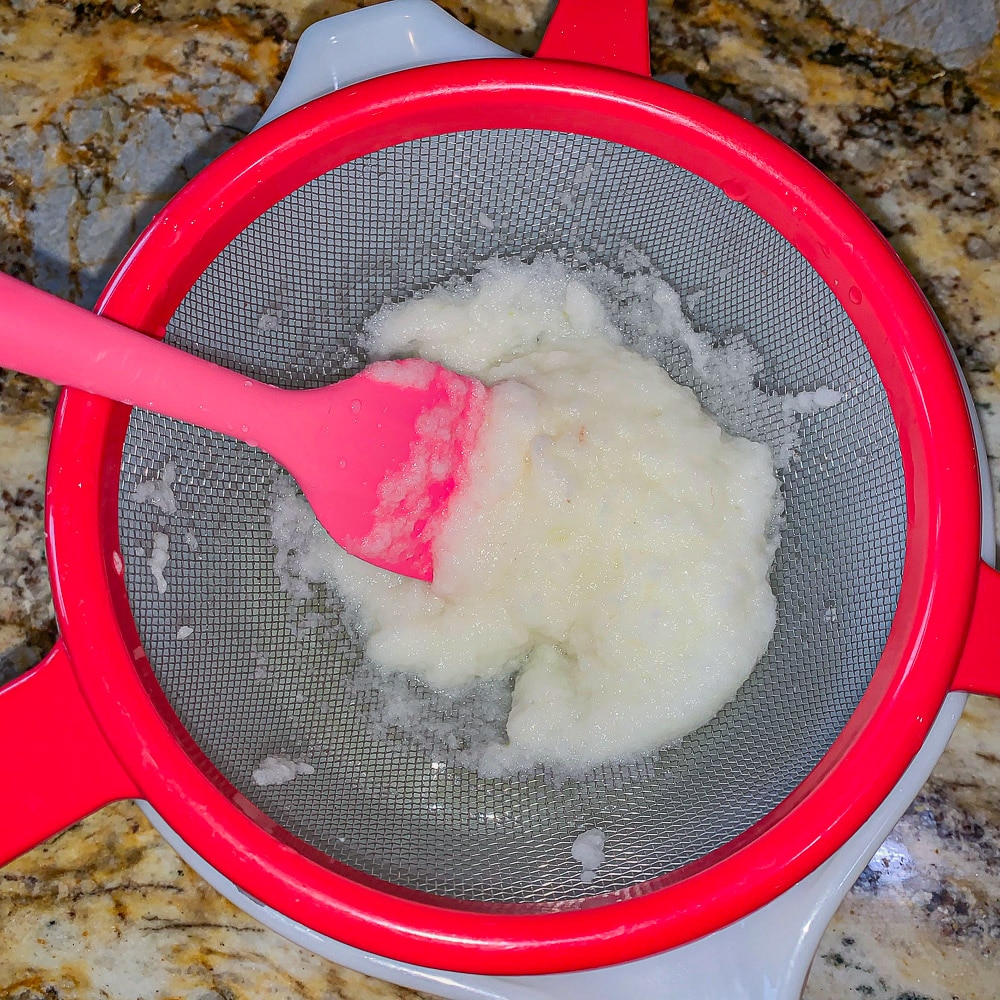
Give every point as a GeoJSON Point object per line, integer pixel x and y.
{"type": "Point", "coordinates": [108, 106]}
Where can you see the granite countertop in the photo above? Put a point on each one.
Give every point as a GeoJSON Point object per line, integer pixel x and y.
{"type": "Point", "coordinates": [108, 106]}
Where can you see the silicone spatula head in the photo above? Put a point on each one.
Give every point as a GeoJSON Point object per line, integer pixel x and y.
{"type": "Point", "coordinates": [390, 451]}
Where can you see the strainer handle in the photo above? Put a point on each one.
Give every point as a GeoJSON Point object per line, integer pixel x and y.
{"type": "Point", "coordinates": [57, 766]}
{"type": "Point", "coordinates": [979, 667]}
{"type": "Point", "coordinates": [587, 32]}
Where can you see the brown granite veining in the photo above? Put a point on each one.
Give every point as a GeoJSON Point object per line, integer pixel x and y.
{"type": "Point", "coordinates": [96, 100]}
{"type": "Point", "coordinates": [27, 627]}
{"type": "Point", "coordinates": [106, 909]}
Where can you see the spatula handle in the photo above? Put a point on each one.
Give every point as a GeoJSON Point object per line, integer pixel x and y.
{"type": "Point", "coordinates": [49, 338]}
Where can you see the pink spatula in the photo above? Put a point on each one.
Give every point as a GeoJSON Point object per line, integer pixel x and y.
{"type": "Point", "coordinates": [377, 455]}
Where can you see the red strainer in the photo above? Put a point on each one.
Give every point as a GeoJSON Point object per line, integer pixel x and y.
{"type": "Point", "coordinates": [377, 192]}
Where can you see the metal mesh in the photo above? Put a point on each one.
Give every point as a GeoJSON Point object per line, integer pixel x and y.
{"type": "Point", "coordinates": [285, 302]}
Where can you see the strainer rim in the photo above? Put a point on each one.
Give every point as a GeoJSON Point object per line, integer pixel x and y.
{"type": "Point", "coordinates": [942, 495]}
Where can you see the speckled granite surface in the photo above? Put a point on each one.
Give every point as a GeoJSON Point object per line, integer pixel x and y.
{"type": "Point", "coordinates": [106, 108]}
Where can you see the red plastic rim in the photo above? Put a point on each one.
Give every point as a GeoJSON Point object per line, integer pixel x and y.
{"type": "Point", "coordinates": [940, 571]}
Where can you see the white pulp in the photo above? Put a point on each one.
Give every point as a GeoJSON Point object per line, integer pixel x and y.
{"type": "Point", "coordinates": [610, 546]}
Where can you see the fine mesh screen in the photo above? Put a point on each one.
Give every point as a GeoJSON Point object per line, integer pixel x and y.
{"type": "Point", "coordinates": [252, 673]}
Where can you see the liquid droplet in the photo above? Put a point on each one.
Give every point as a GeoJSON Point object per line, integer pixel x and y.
{"type": "Point", "coordinates": [854, 294]}
{"type": "Point", "coordinates": [355, 406]}
{"type": "Point", "coordinates": [735, 190]}
{"type": "Point", "coordinates": [342, 463]}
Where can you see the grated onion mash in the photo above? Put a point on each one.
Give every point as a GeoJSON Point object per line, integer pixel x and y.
{"type": "Point", "coordinates": [609, 551]}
